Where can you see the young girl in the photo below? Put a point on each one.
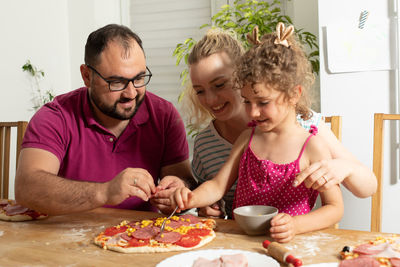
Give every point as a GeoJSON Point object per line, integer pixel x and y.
{"type": "Point", "coordinates": [273, 77]}
{"type": "Point", "coordinates": [211, 100]}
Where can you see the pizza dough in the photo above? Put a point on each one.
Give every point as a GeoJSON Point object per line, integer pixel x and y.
{"type": "Point", "coordinates": [184, 232]}
{"type": "Point", "coordinates": [11, 211]}
{"type": "Point", "coordinates": [383, 251]}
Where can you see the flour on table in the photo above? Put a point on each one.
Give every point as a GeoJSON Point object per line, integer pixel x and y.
{"type": "Point", "coordinates": [1, 233]}
{"type": "Point", "coordinates": [76, 234]}
{"type": "Point", "coordinates": [311, 245]}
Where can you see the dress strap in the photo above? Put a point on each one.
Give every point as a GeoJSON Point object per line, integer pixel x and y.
{"type": "Point", "coordinates": [253, 125]}
{"type": "Point", "coordinates": [313, 131]}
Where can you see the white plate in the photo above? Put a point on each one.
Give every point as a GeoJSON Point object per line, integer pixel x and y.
{"type": "Point", "coordinates": [187, 259]}
{"type": "Point", "coordinates": [328, 264]}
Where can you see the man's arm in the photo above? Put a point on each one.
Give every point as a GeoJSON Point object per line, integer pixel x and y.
{"type": "Point", "coordinates": [37, 186]}
{"type": "Point", "coordinates": [182, 170]}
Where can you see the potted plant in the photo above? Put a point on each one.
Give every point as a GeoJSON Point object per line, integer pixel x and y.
{"type": "Point", "coordinates": [39, 98]}
{"type": "Point", "coordinates": [242, 17]}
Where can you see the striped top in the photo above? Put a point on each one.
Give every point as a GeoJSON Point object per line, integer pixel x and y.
{"type": "Point", "coordinates": [211, 151]}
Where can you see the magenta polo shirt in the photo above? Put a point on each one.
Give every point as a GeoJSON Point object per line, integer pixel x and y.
{"type": "Point", "coordinates": [155, 137]}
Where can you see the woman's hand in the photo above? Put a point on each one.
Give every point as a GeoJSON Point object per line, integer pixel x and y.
{"type": "Point", "coordinates": [283, 228]}
{"type": "Point", "coordinates": [324, 174]}
{"type": "Point", "coordinates": [211, 211]}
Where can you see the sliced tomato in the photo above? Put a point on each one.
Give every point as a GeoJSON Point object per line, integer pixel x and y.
{"type": "Point", "coordinates": [32, 213]}
{"type": "Point", "coordinates": [134, 242]}
{"type": "Point", "coordinates": [199, 232]}
{"type": "Point", "coordinates": [188, 241]}
{"type": "Point", "coordinates": [114, 230]}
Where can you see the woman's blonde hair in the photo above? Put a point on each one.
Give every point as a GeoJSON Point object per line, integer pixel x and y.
{"type": "Point", "coordinates": [214, 41]}
{"type": "Point", "coordinates": [278, 66]}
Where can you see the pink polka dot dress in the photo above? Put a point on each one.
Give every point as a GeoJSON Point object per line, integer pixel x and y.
{"type": "Point", "coordinates": [262, 182]}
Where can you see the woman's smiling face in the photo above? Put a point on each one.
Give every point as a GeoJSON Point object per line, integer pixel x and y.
{"type": "Point", "coordinates": [212, 81]}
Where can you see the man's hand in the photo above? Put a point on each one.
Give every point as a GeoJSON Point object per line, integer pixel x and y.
{"type": "Point", "coordinates": [166, 187]}
{"type": "Point", "coordinates": [128, 183]}
{"type": "Point", "coordinates": [211, 211]}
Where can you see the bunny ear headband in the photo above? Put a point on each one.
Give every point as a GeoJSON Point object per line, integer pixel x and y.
{"type": "Point", "coordinates": [283, 33]}
{"type": "Point", "coordinates": [253, 36]}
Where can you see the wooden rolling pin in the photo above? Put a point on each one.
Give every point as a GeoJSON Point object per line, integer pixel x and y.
{"type": "Point", "coordinates": [280, 253]}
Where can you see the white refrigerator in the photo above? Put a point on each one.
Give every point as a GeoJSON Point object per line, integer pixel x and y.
{"type": "Point", "coordinates": [359, 77]}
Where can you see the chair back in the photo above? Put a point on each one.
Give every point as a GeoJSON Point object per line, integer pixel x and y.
{"type": "Point", "coordinates": [376, 206]}
{"type": "Point", "coordinates": [336, 128]}
{"type": "Point", "coordinates": [336, 125]}
{"type": "Point", "coordinates": [5, 151]}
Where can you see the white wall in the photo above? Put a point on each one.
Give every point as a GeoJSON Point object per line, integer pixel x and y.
{"type": "Point", "coordinates": [304, 14]}
{"type": "Point", "coordinates": [34, 30]}
{"type": "Point", "coordinates": [83, 18]}
{"type": "Point", "coordinates": [52, 34]}
{"type": "Point", "coordinates": [357, 96]}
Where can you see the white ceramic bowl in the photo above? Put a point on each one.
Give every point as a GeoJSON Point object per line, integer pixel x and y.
{"type": "Point", "coordinates": [255, 219]}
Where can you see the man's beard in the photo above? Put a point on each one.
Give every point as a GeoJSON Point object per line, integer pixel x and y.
{"type": "Point", "coordinates": [111, 110]}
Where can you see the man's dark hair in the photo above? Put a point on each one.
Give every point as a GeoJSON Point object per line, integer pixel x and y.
{"type": "Point", "coordinates": [98, 40]}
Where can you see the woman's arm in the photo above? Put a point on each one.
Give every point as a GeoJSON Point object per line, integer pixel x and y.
{"type": "Point", "coordinates": [342, 168]}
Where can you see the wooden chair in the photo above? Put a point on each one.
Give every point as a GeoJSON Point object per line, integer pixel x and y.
{"type": "Point", "coordinates": [336, 125]}
{"type": "Point", "coordinates": [336, 128]}
{"type": "Point", "coordinates": [376, 206]}
{"type": "Point", "coordinates": [5, 143]}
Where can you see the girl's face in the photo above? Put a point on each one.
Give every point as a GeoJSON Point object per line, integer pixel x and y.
{"type": "Point", "coordinates": [212, 81]}
{"type": "Point", "coordinates": [267, 106]}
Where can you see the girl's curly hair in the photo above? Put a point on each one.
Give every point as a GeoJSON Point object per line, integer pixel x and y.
{"type": "Point", "coordinates": [279, 66]}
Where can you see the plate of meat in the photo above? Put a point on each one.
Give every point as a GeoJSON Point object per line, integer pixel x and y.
{"type": "Point", "coordinates": [216, 257]}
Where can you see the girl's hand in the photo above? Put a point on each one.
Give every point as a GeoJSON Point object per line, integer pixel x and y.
{"type": "Point", "coordinates": [211, 211]}
{"type": "Point", "coordinates": [324, 174]}
{"type": "Point", "coordinates": [283, 228]}
{"type": "Point", "coordinates": [181, 198]}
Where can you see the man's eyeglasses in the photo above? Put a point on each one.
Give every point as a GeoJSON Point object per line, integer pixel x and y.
{"type": "Point", "coordinates": [120, 84]}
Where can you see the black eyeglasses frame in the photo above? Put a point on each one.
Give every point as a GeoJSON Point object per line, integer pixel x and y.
{"type": "Point", "coordinates": [127, 81]}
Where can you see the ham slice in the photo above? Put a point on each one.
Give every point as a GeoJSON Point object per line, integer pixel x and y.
{"type": "Point", "coordinates": [370, 249]}
{"type": "Point", "coordinates": [193, 219]}
{"type": "Point", "coordinates": [174, 224]}
{"type": "Point", "coordinates": [202, 262]}
{"type": "Point", "coordinates": [395, 262]}
{"type": "Point", "coordinates": [126, 237]}
{"type": "Point", "coordinates": [3, 202]}
{"type": "Point", "coordinates": [168, 237]}
{"type": "Point", "coordinates": [235, 260]}
{"type": "Point", "coordinates": [360, 262]}
{"type": "Point", "coordinates": [15, 209]}
{"type": "Point", "coordinates": [144, 233]}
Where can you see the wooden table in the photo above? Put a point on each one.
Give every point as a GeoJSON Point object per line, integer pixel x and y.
{"type": "Point", "coordinates": [67, 241]}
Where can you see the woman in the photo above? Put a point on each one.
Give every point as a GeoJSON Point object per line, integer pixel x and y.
{"type": "Point", "coordinates": [210, 99]}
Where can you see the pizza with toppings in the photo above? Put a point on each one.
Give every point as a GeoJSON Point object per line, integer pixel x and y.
{"type": "Point", "coordinates": [383, 251]}
{"type": "Point", "coordinates": [11, 211]}
{"type": "Point", "coordinates": [183, 232]}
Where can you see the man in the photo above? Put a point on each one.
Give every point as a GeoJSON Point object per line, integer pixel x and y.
{"type": "Point", "coordinates": [105, 144]}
